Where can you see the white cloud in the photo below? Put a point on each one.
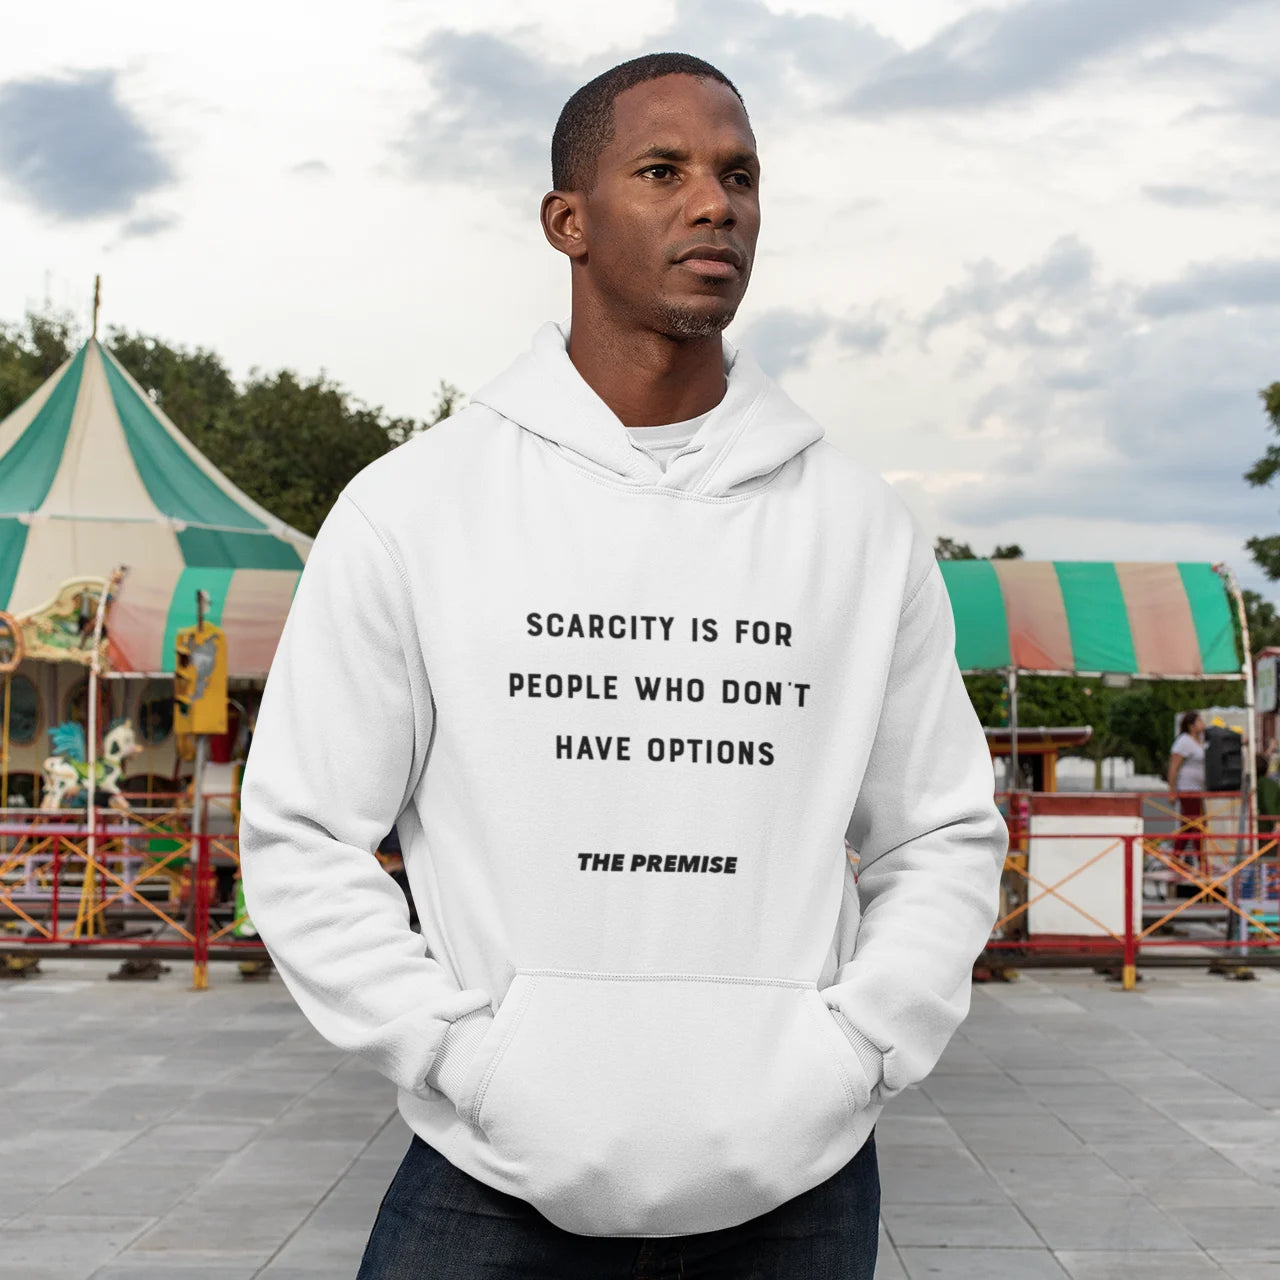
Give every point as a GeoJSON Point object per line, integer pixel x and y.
{"type": "Point", "coordinates": [1046, 309]}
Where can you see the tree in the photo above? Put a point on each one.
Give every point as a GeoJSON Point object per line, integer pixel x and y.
{"type": "Point", "coordinates": [1264, 622]}
{"type": "Point", "coordinates": [948, 549]}
{"type": "Point", "coordinates": [193, 387]}
{"type": "Point", "coordinates": [1266, 551]}
{"type": "Point", "coordinates": [1134, 723]}
{"type": "Point", "coordinates": [448, 401]}
{"type": "Point", "coordinates": [291, 443]}
{"type": "Point", "coordinates": [30, 352]}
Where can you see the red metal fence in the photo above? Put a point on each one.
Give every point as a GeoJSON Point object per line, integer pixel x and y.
{"type": "Point", "coordinates": [1193, 894]}
{"type": "Point", "coordinates": [126, 890]}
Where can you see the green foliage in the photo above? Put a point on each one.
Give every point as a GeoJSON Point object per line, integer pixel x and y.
{"type": "Point", "coordinates": [300, 442]}
{"type": "Point", "coordinates": [30, 352]}
{"type": "Point", "coordinates": [291, 443]}
{"type": "Point", "coordinates": [192, 387]}
{"type": "Point", "coordinates": [1266, 551]}
{"type": "Point", "coordinates": [1264, 622]}
{"type": "Point", "coordinates": [949, 549]}
{"type": "Point", "coordinates": [1135, 723]}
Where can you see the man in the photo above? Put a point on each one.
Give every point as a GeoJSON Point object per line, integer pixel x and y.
{"type": "Point", "coordinates": [623, 649]}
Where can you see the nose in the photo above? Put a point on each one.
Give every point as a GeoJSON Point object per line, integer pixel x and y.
{"type": "Point", "coordinates": [708, 202]}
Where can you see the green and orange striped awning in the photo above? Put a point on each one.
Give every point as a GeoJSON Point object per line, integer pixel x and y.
{"type": "Point", "coordinates": [1077, 616]}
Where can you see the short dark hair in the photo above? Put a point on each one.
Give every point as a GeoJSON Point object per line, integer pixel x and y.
{"type": "Point", "coordinates": [585, 126]}
{"type": "Point", "coordinates": [1188, 719]}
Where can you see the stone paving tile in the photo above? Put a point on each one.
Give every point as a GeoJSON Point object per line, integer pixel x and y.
{"type": "Point", "coordinates": [220, 1264]}
{"type": "Point", "coordinates": [1039, 1175]}
{"type": "Point", "coordinates": [1178, 1194]}
{"type": "Point", "coordinates": [1261, 1128]}
{"type": "Point", "coordinates": [990, 1096]}
{"type": "Point", "coordinates": [1103, 1100]}
{"type": "Point", "coordinates": [1148, 1160]}
{"type": "Point", "coordinates": [1041, 1135]}
{"type": "Point", "coordinates": [334, 1271]}
{"type": "Point", "coordinates": [46, 1158]}
{"type": "Point", "coordinates": [351, 1206]}
{"type": "Point", "coordinates": [980, 1264]}
{"type": "Point", "coordinates": [126, 1187]}
{"type": "Point", "coordinates": [71, 1245]}
{"type": "Point", "coordinates": [1101, 1264]}
{"type": "Point", "coordinates": [936, 1176]}
{"type": "Point", "coordinates": [888, 1264]}
{"type": "Point", "coordinates": [1103, 1222]}
{"type": "Point", "coordinates": [166, 1141]}
{"type": "Point", "coordinates": [1249, 1264]}
{"type": "Point", "coordinates": [955, 1225]}
{"type": "Point", "coordinates": [1158, 1111]}
{"type": "Point", "coordinates": [914, 1102]}
{"type": "Point", "coordinates": [1144, 1125]}
{"type": "Point", "coordinates": [315, 1248]}
{"type": "Point", "coordinates": [1235, 1227]}
{"type": "Point", "coordinates": [915, 1131]}
{"type": "Point", "coordinates": [232, 1103]}
{"type": "Point", "coordinates": [1260, 1163]}
{"type": "Point", "coordinates": [1035, 1077]}
{"type": "Point", "coordinates": [134, 1270]}
{"type": "Point", "coordinates": [211, 1228]}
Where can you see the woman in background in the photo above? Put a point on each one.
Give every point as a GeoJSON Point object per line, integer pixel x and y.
{"type": "Point", "coordinates": [1186, 774]}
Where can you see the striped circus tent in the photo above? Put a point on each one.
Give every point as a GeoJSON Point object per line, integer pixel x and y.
{"type": "Point", "coordinates": [1074, 617]}
{"type": "Point", "coordinates": [94, 476]}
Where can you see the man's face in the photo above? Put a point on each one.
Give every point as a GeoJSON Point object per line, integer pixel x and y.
{"type": "Point", "coordinates": [670, 225]}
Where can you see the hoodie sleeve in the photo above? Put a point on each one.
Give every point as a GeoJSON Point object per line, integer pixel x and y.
{"type": "Point", "coordinates": [339, 745]}
{"type": "Point", "coordinates": [931, 847]}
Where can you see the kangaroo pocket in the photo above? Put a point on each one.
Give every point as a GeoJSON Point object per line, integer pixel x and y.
{"type": "Point", "coordinates": [639, 1104]}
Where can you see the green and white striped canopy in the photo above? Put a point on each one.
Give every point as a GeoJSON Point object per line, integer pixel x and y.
{"type": "Point", "coordinates": [92, 476]}
{"type": "Point", "coordinates": [1076, 616]}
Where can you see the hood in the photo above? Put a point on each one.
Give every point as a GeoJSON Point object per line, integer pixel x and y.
{"type": "Point", "coordinates": [745, 438]}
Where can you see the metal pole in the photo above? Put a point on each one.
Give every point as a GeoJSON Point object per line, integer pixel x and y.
{"type": "Point", "coordinates": [1129, 972]}
{"type": "Point", "coordinates": [200, 899]}
{"type": "Point", "coordinates": [4, 745]}
{"type": "Point", "coordinates": [111, 584]}
{"type": "Point", "coordinates": [195, 860]}
{"type": "Point", "coordinates": [1249, 801]}
{"type": "Point", "coordinates": [1015, 776]}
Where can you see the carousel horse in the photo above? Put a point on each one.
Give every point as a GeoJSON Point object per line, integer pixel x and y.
{"type": "Point", "coordinates": [66, 772]}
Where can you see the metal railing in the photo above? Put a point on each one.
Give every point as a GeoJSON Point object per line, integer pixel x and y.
{"type": "Point", "coordinates": [142, 884]}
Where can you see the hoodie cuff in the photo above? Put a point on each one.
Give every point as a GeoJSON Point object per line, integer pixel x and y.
{"type": "Point", "coordinates": [457, 1051]}
{"type": "Point", "coordinates": [870, 1057]}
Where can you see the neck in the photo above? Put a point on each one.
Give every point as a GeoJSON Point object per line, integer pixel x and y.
{"type": "Point", "coordinates": [646, 378]}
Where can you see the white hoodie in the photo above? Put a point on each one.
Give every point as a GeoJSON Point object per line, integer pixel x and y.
{"type": "Point", "coordinates": [623, 720]}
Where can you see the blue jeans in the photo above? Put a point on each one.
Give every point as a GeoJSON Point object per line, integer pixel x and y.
{"type": "Point", "coordinates": [438, 1223]}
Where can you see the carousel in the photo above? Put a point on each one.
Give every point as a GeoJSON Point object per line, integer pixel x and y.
{"type": "Point", "coordinates": [112, 524]}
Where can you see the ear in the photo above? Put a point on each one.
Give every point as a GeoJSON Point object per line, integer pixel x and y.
{"type": "Point", "coordinates": [563, 223]}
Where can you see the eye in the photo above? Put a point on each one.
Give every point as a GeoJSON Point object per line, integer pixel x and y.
{"type": "Point", "coordinates": [741, 179]}
{"type": "Point", "coordinates": [659, 170]}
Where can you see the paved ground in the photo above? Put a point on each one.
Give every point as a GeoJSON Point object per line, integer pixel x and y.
{"type": "Point", "coordinates": [150, 1133]}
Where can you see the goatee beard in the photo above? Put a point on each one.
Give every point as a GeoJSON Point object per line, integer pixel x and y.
{"type": "Point", "coordinates": [683, 322]}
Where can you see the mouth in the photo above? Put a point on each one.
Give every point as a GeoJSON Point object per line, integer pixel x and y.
{"type": "Point", "coordinates": [713, 262]}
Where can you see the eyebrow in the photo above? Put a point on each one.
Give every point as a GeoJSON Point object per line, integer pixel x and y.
{"type": "Point", "coordinates": [740, 159]}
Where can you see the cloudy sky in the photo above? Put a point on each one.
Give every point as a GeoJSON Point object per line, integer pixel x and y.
{"type": "Point", "coordinates": [1021, 255]}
